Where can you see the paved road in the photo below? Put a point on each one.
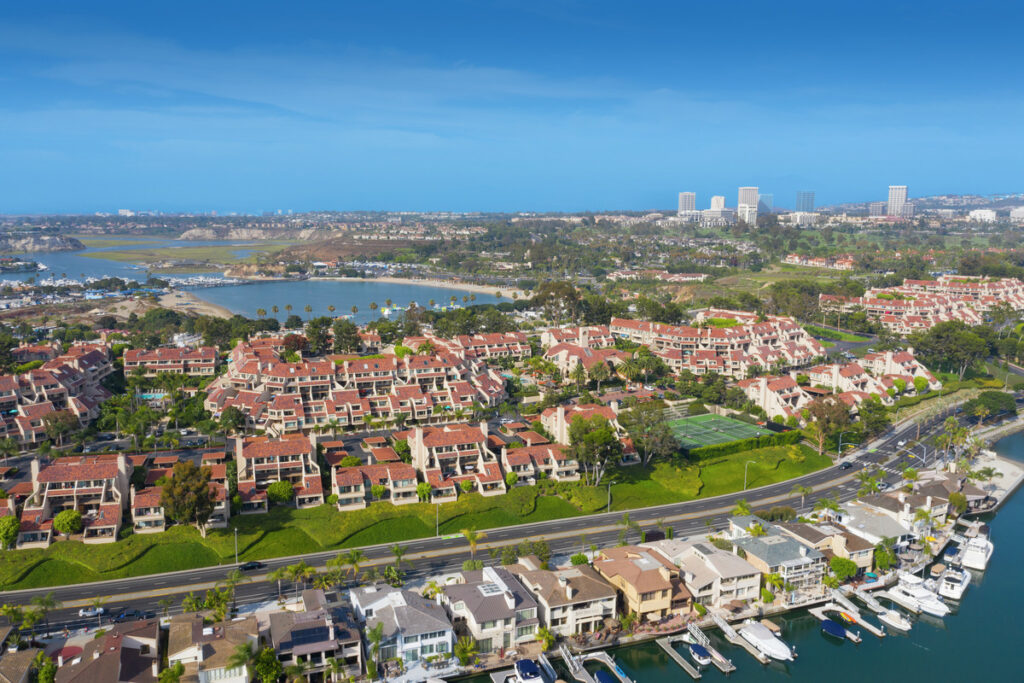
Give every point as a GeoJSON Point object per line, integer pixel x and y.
{"type": "Point", "coordinates": [435, 555]}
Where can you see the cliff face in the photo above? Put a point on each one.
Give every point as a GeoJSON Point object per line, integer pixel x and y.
{"type": "Point", "coordinates": [36, 244]}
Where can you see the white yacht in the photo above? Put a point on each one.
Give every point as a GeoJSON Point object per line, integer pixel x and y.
{"type": "Point", "coordinates": [953, 583]}
{"type": "Point", "coordinates": [765, 641]}
{"type": "Point", "coordinates": [977, 553]}
{"type": "Point", "coordinates": [912, 587]}
{"type": "Point", "coordinates": [894, 619]}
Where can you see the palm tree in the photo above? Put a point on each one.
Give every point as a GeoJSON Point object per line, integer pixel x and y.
{"type": "Point", "coordinates": [868, 483]}
{"type": "Point", "coordinates": [308, 308]}
{"type": "Point", "coordinates": [288, 308]}
{"type": "Point", "coordinates": [980, 412]}
{"type": "Point", "coordinates": [165, 605]}
{"type": "Point", "coordinates": [742, 508]}
{"type": "Point", "coordinates": [355, 559]}
{"type": "Point", "coordinates": [399, 553]}
{"type": "Point", "coordinates": [330, 309]}
{"type": "Point", "coordinates": [231, 581]}
{"type": "Point", "coordinates": [335, 666]}
{"type": "Point", "coordinates": [579, 375]}
{"type": "Point", "coordinates": [827, 505]}
{"type": "Point", "coordinates": [300, 572]}
{"type": "Point", "coordinates": [432, 590]}
{"type": "Point", "coordinates": [274, 309]}
{"type": "Point", "coordinates": [279, 575]}
{"type": "Point", "coordinates": [296, 673]}
{"type": "Point", "coordinates": [355, 309]}
{"type": "Point", "coordinates": [260, 312]}
{"type": "Point", "coordinates": [243, 656]}
{"type": "Point", "coordinates": [432, 303]}
{"type": "Point", "coordinates": [45, 603]}
{"type": "Point", "coordinates": [630, 369]}
{"type": "Point", "coordinates": [802, 491]}
{"type": "Point", "coordinates": [627, 525]}
{"type": "Point", "coordinates": [924, 515]}
{"type": "Point", "coordinates": [97, 603]}
{"type": "Point", "coordinates": [473, 537]}
{"type": "Point", "coordinates": [599, 373]}
{"type": "Point", "coordinates": [387, 302]}
{"type": "Point", "coordinates": [8, 447]}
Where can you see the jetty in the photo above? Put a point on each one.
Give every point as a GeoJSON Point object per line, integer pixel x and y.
{"type": "Point", "coordinates": [717, 658]}
{"type": "Point", "coordinates": [609, 662]}
{"type": "Point", "coordinates": [545, 666]}
{"type": "Point", "coordinates": [869, 601]}
{"type": "Point", "coordinates": [575, 665]}
{"type": "Point", "coordinates": [854, 612]}
{"type": "Point", "coordinates": [819, 612]}
{"type": "Point", "coordinates": [736, 639]}
{"type": "Point", "coordinates": [683, 663]}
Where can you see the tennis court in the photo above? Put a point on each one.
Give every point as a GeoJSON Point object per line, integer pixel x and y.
{"type": "Point", "coordinates": [710, 430]}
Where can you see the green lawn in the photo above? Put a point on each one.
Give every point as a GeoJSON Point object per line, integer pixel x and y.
{"type": "Point", "coordinates": [817, 331]}
{"type": "Point", "coordinates": [201, 254]}
{"type": "Point", "coordinates": [285, 531]}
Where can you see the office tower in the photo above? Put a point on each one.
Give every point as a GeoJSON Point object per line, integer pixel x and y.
{"type": "Point", "coordinates": [897, 198]}
{"type": "Point", "coordinates": [748, 196]}
{"type": "Point", "coordinates": [876, 209]}
{"type": "Point", "coordinates": [1017, 215]}
{"type": "Point", "coordinates": [805, 201]}
{"type": "Point", "coordinates": [765, 203]}
{"type": "Point", "coordinates": [908, 210]}
{"type": "Point", "coordinates": [746, 207]}
{"type": "Point", "coordinates": [717, 202]}
{"type": "Point", "coordinates": [687, 202]}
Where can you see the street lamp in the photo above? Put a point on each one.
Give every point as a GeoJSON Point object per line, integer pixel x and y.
{"type": "Point", "coordinates": [608, 505]}
{"type": "Point", "coordinates": [839, 449]}
{"type": "Point", "coordinates": [236, 544]}
{"type": "Point", "coordinates": [748, 463]}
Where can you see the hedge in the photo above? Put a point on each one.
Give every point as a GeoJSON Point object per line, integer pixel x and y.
{"type": "Point", "coordinates": [778, 439]}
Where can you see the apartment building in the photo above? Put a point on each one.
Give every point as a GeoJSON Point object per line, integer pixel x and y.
{"type": "Point", "coordinates": [97, 488]}
{"type": "Point", "coordinates": [587, 336]}
{"type": "Point", "coordinates": [263, 461]}
{"type": "Point", "coordinates": [556, 420]}
{"type": "Point", "coordinates": [450, 454]}
{"type": "Point", "coordinates": [199, 362]}
{"type": "Point", "coordinates": [553, 461]}
{"type": "Point", "coordinates": [354, 486]}
{"type": "Point", "coordinates": [567, 357]}
{"type": "Point", "coordinates": [148, 515]}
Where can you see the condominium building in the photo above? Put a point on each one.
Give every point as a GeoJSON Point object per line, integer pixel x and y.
{"type": "Point", "coordinates": [687, 202]}
{"type": "Point", "coordinates": [175, 360]}
{"type": "Point", "coordinates": [897, 200]}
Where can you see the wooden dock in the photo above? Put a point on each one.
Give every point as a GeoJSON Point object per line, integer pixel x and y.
{"type": "Point", "coordinates": [869, 600]}
{"type": "Point", "coordinates": [679, 659]}
{"type": "Point", "coordinates": [607, 660]}
{"type": "Point", "coordinates": [717, 658]}
{"type": "Point", "coordinates": [575, 666]}
{"type": "Point", "coordinates": [736, 639]}
{"type": "Point", "coordinates": [819, 612]}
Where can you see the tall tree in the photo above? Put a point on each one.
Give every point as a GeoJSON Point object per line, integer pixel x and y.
{"type": "Point", "coordinates": [187, 497]}
{"type": "Point", "coordinates": [646, 425]}
{"type": "Point", "coordinates": [594, 444]}
{"type": "Point", "coordinates": [346, 336]}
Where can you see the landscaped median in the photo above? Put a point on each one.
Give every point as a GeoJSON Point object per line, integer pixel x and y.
{"type": "Point", "coordinates": [285, 531]}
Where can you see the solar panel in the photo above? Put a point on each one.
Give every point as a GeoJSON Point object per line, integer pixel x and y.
{"type": "Point", "coordinates": [310, 635]}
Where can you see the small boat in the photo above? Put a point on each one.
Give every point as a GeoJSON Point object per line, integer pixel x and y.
{"type": "Point", "coordinates": [847, 618]}
{"type": "Point", "coordinates": [937, 569]}
{"type": "Point", "coordinates": [954, 583]}
{"type": "Point", "coordinates": [895, 620]}
{"type": "Point", "coordinates": [765, 641]}
{"type": "Point", "coordinates": [603, 676]}
{"type": "Point", "coordinates": [831, 628]}
{"type": "Point", "coordinates": [527, 671]}
{"type": "Point", "coordinates": [700, 654]}
{"type": "Point", "coordinates": [977, 553]}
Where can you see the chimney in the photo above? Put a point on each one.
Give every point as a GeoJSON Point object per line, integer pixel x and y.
{"type": "Point", "coordinates": [510, 599]}
{"type": "Point", "coordinates": [564, 583]}
{"type": "Point", "coordinates": [803, 551]}
{"type": "Point", "coordinates": [155, 667]}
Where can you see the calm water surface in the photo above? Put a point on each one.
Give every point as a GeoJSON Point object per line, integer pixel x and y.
{"type": "Point", "coordinates": [979, 642]}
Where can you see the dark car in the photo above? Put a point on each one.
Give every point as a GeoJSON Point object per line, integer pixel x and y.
{"type": "Point", "coordinates": [129, 615]}
{"type": "Point", "coordinates": [250, 566]}
{"type": "Point", "coordinates": [845, 465]}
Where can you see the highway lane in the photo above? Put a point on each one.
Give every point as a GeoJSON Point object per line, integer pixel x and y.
{"type": "Point", "coordinates": [436, 555]}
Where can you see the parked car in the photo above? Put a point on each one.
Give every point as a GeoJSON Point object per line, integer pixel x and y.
{"type": "Point", "coordinates": [92, 611]}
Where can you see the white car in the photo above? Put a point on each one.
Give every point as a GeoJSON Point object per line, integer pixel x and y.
{"type": "Point", "coordinates": [901, 444]}
{"type": "Point", "coordinates": [92, 612]}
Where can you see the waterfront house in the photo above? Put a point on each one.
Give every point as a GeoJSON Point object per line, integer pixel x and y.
{"type": "Point", "coordinates": [713, 576]}
{"type": "Point", "coordinates": [648, 584]}
{"type": "Point", "coordinates": [316, 634]}
{"type": "Point", "coordinates": [493, 607]}
{"type": "Point", "coordinates": [799, 567]}
{"type": "Point", "coordinates": [572, 600]}
{"type": "Point", "coordinates": [414, 627]}
{"type": "Point", "coordinates": [832, 541]}
{"type": "Point", "coordinates": [206, 649]}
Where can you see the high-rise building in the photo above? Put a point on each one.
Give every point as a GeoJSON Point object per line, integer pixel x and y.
{"type": "Point", "coordinates": [805, 201]}
{"type": "Point", "coordinates": [897, 199]}
{"type": "Point", "coordinates": [687, 202]}
{"type": "Point", "coordinates": [718, 202]}
{"type": "Point", "coordinates": [746, 207]}
{"type": "Point", "coordinates": [1017, 214]}
{"type": "Point", "coordinates": [747, 195]}
{"type": "Point", "coordinates": [765, 203]}
{"type": "Point", "coordinates": [876, 209]}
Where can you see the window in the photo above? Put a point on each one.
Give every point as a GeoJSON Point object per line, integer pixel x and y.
{"type": "Point", "coordinates": [525, 614]}
{"type": "Point", "coordinates": [524, 631]}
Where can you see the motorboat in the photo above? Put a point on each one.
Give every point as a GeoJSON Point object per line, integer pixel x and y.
{"type": "Point", "coordinates": [527, 671]}
{"type": "Point", "coordinates": [913, 587]}
{"type": "Point", "coordinates": [831, 628]}
{"type": "Point", "coordinates": [700, 654]}
{"type": "Point", "coordinates": [894, 619]}
{"type": "Point", "coordinates": [765, 642]}
{"type": "Point", "coordinates": [953, 583]}
{"type": "Point", "coordinates": [977, 553]}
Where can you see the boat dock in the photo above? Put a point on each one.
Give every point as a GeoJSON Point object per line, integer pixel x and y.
{"type": "Point", "coordinates": [854, 612]}
{"type": "Point", "coordinates": [819, 612]}
{"type": "Point", "coordinates": [869, 600]}
{"type": "Point", "coordinates": [607, 660]}
{"type": "Point", "coordinates": [736, 639]}
{"type": "Point", "coordinates": [683, 663]}
{"type": "Point", "coordinates": [546, 668]}
{"type": "Point", "coordinates": [717, 658]}
{"type": "Point", "coordinates": [575, 665]}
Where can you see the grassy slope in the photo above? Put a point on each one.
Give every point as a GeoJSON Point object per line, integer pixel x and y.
{"type": "Point", "coordinates": [216, 254]}
{"type": "Point", "coordinates": [285, 532]}
{"type": "Point", "coordinates": [832, 334]}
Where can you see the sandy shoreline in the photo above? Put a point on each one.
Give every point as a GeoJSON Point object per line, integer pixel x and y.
{"type": "Point", "coordinates": [493, 290]}
{"type": "Point", "coordinates": [187, 302]}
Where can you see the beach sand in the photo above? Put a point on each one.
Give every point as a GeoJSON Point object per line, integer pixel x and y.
{"type": "Point", "coordinates": [186, 302]}
{"type": "Point", "coordinates": [503, 292]}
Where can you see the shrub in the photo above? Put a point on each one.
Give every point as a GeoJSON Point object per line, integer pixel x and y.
{"type": "Point", "coordinates": [68, 522]}
{"type": "Point", "coordinates": [778, 439]}
{"type": "Point", "coordinates": [281, 492]}
{"type": "Point", "coordinates": [697, 408]}
{"type": "Point", "coordinates": [767, 596]}
{"type": "Point", "coordinates": [351, 461]}
{"type": "Point", "coordinates": [511, 479]}
{"type": "Point", "coordinates": [332, 499]}
{"type": "Point", "coordinates": [701, 609]}
{"type": "Point", "coordinates": [579, 558]}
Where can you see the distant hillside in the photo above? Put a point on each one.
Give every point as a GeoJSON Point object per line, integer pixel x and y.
{"type": "Point", "coordinates": [36, 244]}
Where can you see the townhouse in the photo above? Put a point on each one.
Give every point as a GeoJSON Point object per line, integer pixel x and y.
{"type": "Point", "coordinates": [355, 486]}
{"type": "Point", "coordinates": [772, 342]}
{"type": "Point", "coordinates": [586, 336]}
{"type": "Point", "coordinates": [263, 461]}
{"type": "Point", "coordinates": [556, 420]}
{"type": "Point", "coordinates": [199, 362]}
{"type": "Point", "coordinates": [414, 627]}
{"type": "Point", "coordinates": [493, 607]}
{"type": "Point", "coordinates": [148, 515]}
{"type": "Point", "coordinates": [572, 600]}
{"type": "Point", "coordinates": [714, 577]}
{"type": "Point", "coordinates": [98, 489]}
{"type": "Point", "coordinates": [206, 650]}
{"type": "Point", "coordinates": [773, 553]}
{"type": "Point", "coordinates": [567, 357]}
{"type": "Point", "coordinates": [647, 584]}
{"type": "Point", "coordinates": [552, 461]}
{"type": "Point", "coordinates": [448, 455]}
{"type": "Point", "coordinates": [841, 262]}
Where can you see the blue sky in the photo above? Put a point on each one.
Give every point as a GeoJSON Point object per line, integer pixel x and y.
{"type": "Point", "coordinates": [502, 106]}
